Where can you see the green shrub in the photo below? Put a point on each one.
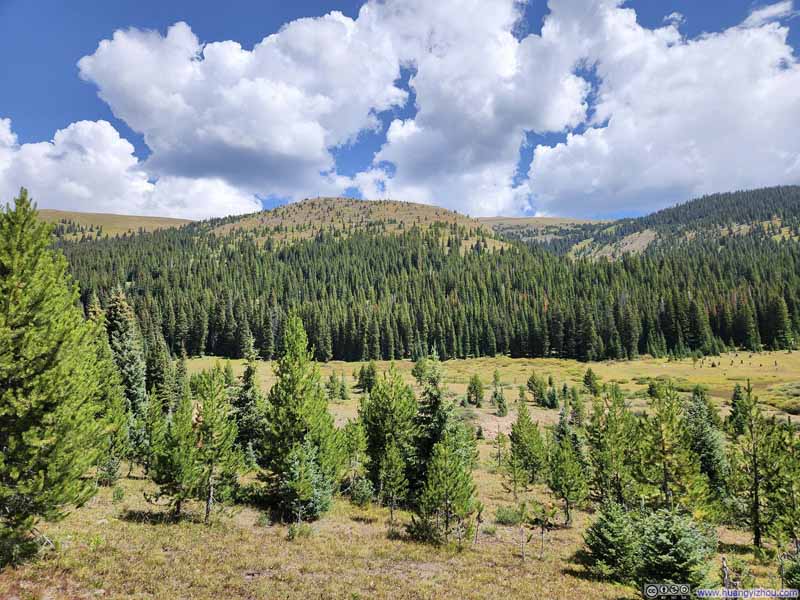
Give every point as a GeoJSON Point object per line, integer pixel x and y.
{"type": "Point", "coordinates": [507, 515]}
{"type": "Point", "coordinates": [361, 492]}
{"type": "Point", "coordinates": [299, 530]}
{"type": "Point", "coordinates": [791, 572]}
{"type": "Point", "coordinates": [612, 544]}
{"type": "Point", "coordinates": [118, 494]}
{"type": "Point", "coordinates": [674, 549]}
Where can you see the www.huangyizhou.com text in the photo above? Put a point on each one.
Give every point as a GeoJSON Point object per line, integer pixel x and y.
{"type": "Point", "coordinates": [747, 593]}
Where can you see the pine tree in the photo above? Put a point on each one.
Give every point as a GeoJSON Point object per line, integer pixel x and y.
{"type": "Point", "coordinates": [299, 429]}
{"type": "Point", "coordinates": [249, 407]}
{"type": "Point", "coordinates": [433, 415]}
{"type": "Point", "coordinates": [612, 437]}
{"type": "Point", "coordinates": [475, 391]}
{"type": "Point", "coordinates": [498, 397]}
{"type": "Point", "coordinates": [117, 442]}
{"type": "Point", "coordinates": [527, 444]}
{"type": "Point", "coordinates": [674, 549]}
{"type": "Point", "coordinates": [219, 459]}
{"type": "Point", "coordinates": [566, 476]}
{"type": "Point", "coordinates": [447, 501]}
{"type": "Point", "coordinates": [51, 398]}
{"type": "Point", "coordinates": [367, 376]}
{"type": "Point", "coordinates": [173, 450]}
{"type": "Point", "coordinates": [126, 346]}
{"type": "Point", "coordinates": [670, 465]}
{"type": "Point", "coordinates": [738, 415]}
{"type": "Point", "coordinates": [755, 462]}
{"type": "Point", "coordinates": [388, 416]}
{"type": "Point", "coordinates": [612, 544]}
{"type": "Point", "coordinates": [392, 479]}
{"type": "Point", "coordinates": [705, 440]}
{"type": "Point", "coordinates": [591, 382]}
{"type": "Point", "coordinates": [516, 478]}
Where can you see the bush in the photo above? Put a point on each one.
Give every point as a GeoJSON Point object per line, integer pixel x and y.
{"type": "Point", "coordinates": [508, 515]}
{"type": "Point", "coordinates": [298, 530]}
{"type": "Point", "coordinates": [674, 549]}
{"type": "Point", "coordinates": [611, 544]}
{"type": "Point", "coordinates": [791, 572]}
{"type": "Point", "coordinates": [118, 494]}
{"type": "Point", "coordinates": [361, 492]}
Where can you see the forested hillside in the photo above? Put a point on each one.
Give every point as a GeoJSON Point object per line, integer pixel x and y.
{"type": "Point", "coordinates": [774, 212]}
{"type": "Point", "coordinates": [208, 287]}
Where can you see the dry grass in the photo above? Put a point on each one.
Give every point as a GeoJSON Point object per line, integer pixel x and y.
{"type": "Point", "coordinates": [112, 225]}
{"type": "Point", "coordinates": [125, 550]}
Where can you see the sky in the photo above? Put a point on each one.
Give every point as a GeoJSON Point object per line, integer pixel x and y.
{"type": "Point", "coordinates": [588, 108]}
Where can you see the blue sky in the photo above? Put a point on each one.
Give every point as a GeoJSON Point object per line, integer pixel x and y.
{"type": "Point", "coordinates": [43, 92]}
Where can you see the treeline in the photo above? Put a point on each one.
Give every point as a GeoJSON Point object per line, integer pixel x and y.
{"type": "Point", "coordinates": [713, 216]}
{"type": "Point", "coordinates": [367, 296]}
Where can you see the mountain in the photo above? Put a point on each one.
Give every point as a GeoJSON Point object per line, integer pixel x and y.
{"type": "Point", "coordinates": [390, 280]}
{"type": "Point", "coordinates": [75, 225]}
{"type": "Point", "coordinates": [774, 212]}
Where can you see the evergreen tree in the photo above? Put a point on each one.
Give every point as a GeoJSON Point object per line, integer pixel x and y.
{"type": "Point", "coordinates": [392, 479]}
{"type": "Point", "coordinates": [475, 391]}
{"type": "Point", "coordinates": [431, 420]}
{"type": "Point", "coordinates": [566, 476]}
{"type": "Point", "coordinates": [498, 397]}
{"type": "Point", "coordinates": [738, 415]}
{"type": "Point", "coordinates": [755, 463]}
{"type": "Point", "coordinates": [367, 376]}
{"type": "Point", "coordinates": [219, 459]}
{"type": "Point", "coordinates": [447, 501]}
{"type": "Point", "coordinates": [249, 407]}
{"type": "Point", "coordinates": [670, 465]}
{"type": "Point", "coordinates": [299, 430]}
{"type": "Point", "coordinates": [527, 444]}
{"type": "Point", "coordinates": [612, 436]}
{"type": "Point", "coordinates": [113, 411]}
{"type": "Point", "coordinates": [126, 346]}
{"type": "Point", "coordinates": [51, 399]}
{"type": "Point", "coordinates": [388, 416]}
{"type": "Point", "coordinates": [173, 464]}
{"type": "Point", "coordinates": [705, 440]}
{"type": "Point", "coordinates": [591, 382]}
{"type": "Point", "coordinates": [612, 544]}
{"type": "Point", "coordinates": [674, 549]}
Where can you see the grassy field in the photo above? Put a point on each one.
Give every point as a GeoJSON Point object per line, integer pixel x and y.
{"type": "Point", "coordinates": [112, 225]}
{"type": "Point", "coordinates": [124, 548]}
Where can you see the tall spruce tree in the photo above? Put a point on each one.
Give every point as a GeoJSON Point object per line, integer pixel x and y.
{"type": "Point", "coordinates": [51, 397]}
{"type": "Point", "coordinates": [219, 458]}
{"type": "Point", "coordinates": [299, 439]}
{"type": "Point", "coordinates": [705, 440]}
{"type": "Point", "coordinates": [432, 416]}
{"type": "Point", "coordinates": [613, 437]}
{"type": "Point", "coordinates": [126, 345]}
{"type": "Point", "coordinates": [566, 476]}
{"type": "Point", "coordinates": [113, 408]}
{"type": "Point", "coordinates": [388, 415]}
{"type": "Point", "coordinates": [447, 501]}
{"type": "Point", "coordinates": [755, 462]}
{"type": "Point", "coordinates": [527, 444]}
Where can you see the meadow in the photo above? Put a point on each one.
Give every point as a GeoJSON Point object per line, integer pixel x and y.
{"type": "Point", "coordinates": [120, 546]}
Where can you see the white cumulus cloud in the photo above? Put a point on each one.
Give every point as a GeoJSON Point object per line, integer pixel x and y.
{"type": "Point", "coordinates": [89, 167]}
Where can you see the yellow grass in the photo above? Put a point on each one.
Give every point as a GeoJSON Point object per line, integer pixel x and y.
{"type": "Point", "coordinates": [125, 550]}
{"type": "Point", "coordinates": [112, 224]}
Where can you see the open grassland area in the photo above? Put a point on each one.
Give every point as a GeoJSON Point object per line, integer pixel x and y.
{"type": "Point", "coordinates": [306, 219]}
{"type": "Point", "coordinates": [120, 546]}
{"type": "Point", "coordinates": [775, 377]}
{"type": "Point", "coordinates": [75, 225]}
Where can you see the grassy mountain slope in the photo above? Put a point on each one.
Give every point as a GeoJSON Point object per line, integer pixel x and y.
{"type": "Point", "coordinates": [774, 212]}
{"type": "Point", "coordinates": [75, 225]}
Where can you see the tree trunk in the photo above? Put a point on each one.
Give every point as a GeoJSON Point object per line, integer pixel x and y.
{"type": "Point", "coordinates": [209, 501]}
